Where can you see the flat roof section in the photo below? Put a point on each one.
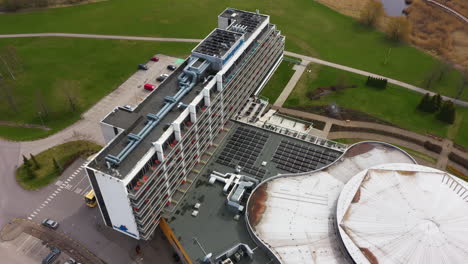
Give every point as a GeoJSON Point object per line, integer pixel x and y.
{"type": "Point", "coordinates": [249, 146]}
{"type": "Point", "coordinates": [216, 230]}
{"type": "Point", "coordinates": [218, 43]}
{"type": "Point", "coordinates": [135, 121]}
{"type": "Point", "coordinates": [249, 20]}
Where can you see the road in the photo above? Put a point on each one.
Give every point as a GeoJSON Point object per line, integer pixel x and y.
{"type": "Point", "coordinates": [304, 57]}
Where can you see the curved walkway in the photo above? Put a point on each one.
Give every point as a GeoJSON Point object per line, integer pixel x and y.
{"type": "Point", "coordinates": [306, 59]}
{"type": "Point", "coordinates": [448, 9]}
{"type": "Point", "coordinates": [447, 145]}
{"type": "Point", "coordinates": [93, 36]}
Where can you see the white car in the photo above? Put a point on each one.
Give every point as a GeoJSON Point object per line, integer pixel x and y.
{"type": "Point", "coordinates": [50, 223]}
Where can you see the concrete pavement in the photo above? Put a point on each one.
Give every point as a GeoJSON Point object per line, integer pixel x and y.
{"type": "Point", "coordinates": [299, 70]}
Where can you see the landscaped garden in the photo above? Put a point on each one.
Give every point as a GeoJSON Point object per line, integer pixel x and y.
{"type": "Point", "coordinates": [40, 170]}
{"type": "Point", "coordinates": [395, 105]}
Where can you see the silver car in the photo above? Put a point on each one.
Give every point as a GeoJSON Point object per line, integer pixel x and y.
{"type": "Point", "coordinates": [50, 223]}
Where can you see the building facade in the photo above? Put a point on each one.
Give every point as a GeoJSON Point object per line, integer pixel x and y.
{"type": "Point", "coordinates": [152, 148]}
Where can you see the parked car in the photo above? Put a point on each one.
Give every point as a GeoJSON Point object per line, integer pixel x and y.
{"type": "Point", "coordinates": [54, 253]}
{"type": "Point", "coordinates": [149, 87]}
{"type": "Point", "coordinates": [154, 58]}
{"type": "Point", "coordinates": [171, 67]}
{"type": "Point", "coordinates": [142, 67]}
{"type": "Point", "coordinates": [71, 261]}
{"type": "Point", "coordinates": [162, 77]}
{"type": "Point", "coordinates": [127, 107]}
{"type": "Point", "coordinates": [50, 223]}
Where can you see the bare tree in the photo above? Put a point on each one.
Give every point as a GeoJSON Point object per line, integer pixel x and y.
{"type": "Point", "coordinates": [41, 103]}
{"type": "Point", "coordinates": [7, 67]}
{"type": "Point", "coordinates": [69, 90]}
{"type": "Point", "coordinates": [6, 91]}
{"type": "Point", "coordinates": [398, 29]}
{"type": "Point", "coordinates": [13, 57]}
{"type": "Point", "coordinates": [372, 13]}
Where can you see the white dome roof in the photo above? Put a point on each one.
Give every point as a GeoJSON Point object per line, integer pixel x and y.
{"type": "Point", "coordinates": [404, 213]}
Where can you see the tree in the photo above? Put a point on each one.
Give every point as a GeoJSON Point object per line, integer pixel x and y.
{"type": "Point", "coordinates": [436, 102]}
{"type": "Point", "coordinates": [6, 92]}
{"type": "Point", "coordinates": [398, 29]}
{"type": "Point", "coordinates": [425, 104]}
{"type": "Point", "coordinates": [26, 162]}
{"type": "Point", "coordinates": [41, 103]}
{"type": "Point", "coordinates": [447, 112]}
{"type": "Point", "coordinates": [372, 13]}
{"type": "Point", "coordinates": [56, 165]}
{"type": "Point", "coordinates": [69, 88]}
{"type": "Point", "coordinates": [36, 164]}
{"type": "Point", "coordinates": [30, 173]}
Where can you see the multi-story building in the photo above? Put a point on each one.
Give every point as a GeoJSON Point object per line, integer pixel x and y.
{"type": "Point", "coordinates": [152, 148]}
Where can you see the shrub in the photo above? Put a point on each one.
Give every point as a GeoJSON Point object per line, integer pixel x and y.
{"type": "Point", "coordinates": [398, 29]}
{"type": "Point", "coordinates": [372, 13]}
{"type": "Point", "coordinates": [376, 82]}
{"type": "Point", "coordinates": [432, 147]}
{"type": "Point", "coordinates": [447, 112]}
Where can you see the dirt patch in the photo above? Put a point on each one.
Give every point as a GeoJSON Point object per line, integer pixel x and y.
{"type": "Point", "coordinates": [12, 124]}
{"type": "Point", "coordinates": [342, 114]}
{"type": "Point", "coordinates": [323, 91]}
{"type": "Point", "coordinates": [359, 149]}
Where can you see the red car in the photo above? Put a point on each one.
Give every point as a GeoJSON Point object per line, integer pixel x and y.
{"type": "Point", "coordinates": [149, 87]}
{"type": "Point", "coordinates": [154, 58]}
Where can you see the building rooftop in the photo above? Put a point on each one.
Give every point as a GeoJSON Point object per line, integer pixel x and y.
{"type": "Point", "coordinates": [133, 122]}
{"type": "Point", "coordinates": [216, 230]}
{"type": "Point", "coordinates": [243, 19]}
{"type": "Point", "coordinates": [294, 215]}
{"type": "Point", "coordinates": [218, 43]}
{"type": "Point", "coordinates": [404, 213]}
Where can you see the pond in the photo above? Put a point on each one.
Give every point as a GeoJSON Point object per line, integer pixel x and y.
{"type": "Point", "coordinates": [394, 7]}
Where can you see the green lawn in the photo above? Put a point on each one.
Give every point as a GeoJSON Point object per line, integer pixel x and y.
{"type": "Point", "coordinates": [21, 133]}
{"type": "Point", "coordinates": [395, 104]}
{"type": "Point", "coordinates": [310, 28]}
{"type": "Point", "coordinates": [64, 154]}
{"type": "Point", "coordinates": [278, 81]}
{"type": "Point", "coordinates": [87, 68]}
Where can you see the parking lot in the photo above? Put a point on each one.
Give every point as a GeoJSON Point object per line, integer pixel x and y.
{"type": "Point", "coordinates": [63, 200]}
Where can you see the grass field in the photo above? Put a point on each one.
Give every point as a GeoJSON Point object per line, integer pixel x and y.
{"type": "Point", "coordinates": [394, 104]}
{"type": "Point", "coordinates": [64, 154]}
{"type": "Point", "coordinates": [278, 81]}
{"type": "Point", "coordinates": [87, 68]}
{"type": "Point", "coordinates": [310, 28]}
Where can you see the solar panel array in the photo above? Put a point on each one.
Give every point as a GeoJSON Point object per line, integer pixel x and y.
{"type": "Point", "coordinates": [249, 20]}
{"type": "Point", "coordinates": [243, 149]}
{"type": "Point", "coordinates": [294, 157]}
{"type": "Point", "coordinates": [217, 43]}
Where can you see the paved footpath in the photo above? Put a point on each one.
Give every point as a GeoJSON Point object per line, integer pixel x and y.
{"type": "Point", "coordinates": [303, 57]}
{"type": "Point", "coordinates": [442, 158]}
